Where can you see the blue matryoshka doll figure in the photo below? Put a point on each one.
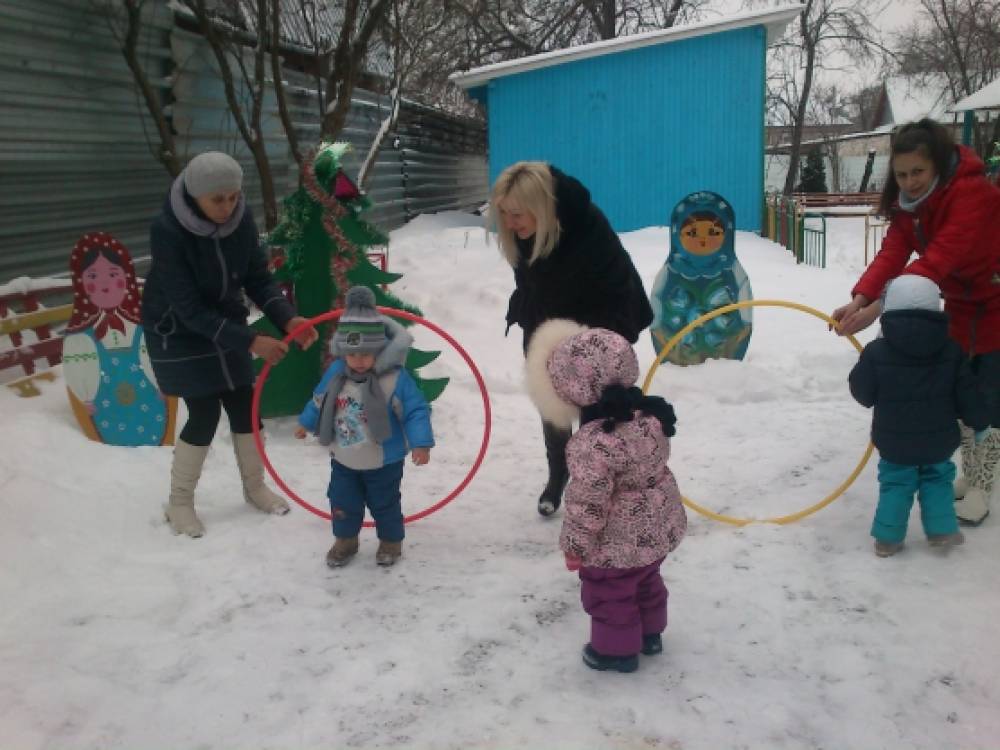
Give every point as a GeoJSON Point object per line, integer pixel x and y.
{"type": "Point", "coordinates": [700, 275]}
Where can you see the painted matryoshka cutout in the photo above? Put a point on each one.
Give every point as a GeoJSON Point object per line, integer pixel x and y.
{"type": "Point", "coordinates": [108, 376]}
{"type": "Point", "coordinates": [700, 275]}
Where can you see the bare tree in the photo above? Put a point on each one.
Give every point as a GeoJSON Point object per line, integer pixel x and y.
{"type": "Point", "coordinates": [277, 77]}
{"type": "Point", "coordinates": [360, 22]}
{"type": "Point", "coordinates": [125, 20]}
{"type": "Point", "coordinates": [864, 106]}
{"type": "Point", "coordinates": [828, 31]}
{"type": "Point", "coordinates": [244, 82]}
{"type": "Point", "coordinates": [499, 30]}
{"type": "Point", "coordinates": [413, 30]}
{"type": "Point", "coordinates": [961, 40]}
{"type": "Point", "coordinates": [830, 113]}
{"type": "Point", "coordinates": [480, 32]}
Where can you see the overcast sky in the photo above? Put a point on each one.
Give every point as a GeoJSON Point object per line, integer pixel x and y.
{"type": "Point", "coordinates": [897, 14]}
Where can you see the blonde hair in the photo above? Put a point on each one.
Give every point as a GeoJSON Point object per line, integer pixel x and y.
{"type": "Point", "coordinates": [526, 186]}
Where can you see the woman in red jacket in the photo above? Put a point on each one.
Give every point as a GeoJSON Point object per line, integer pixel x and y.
{"type": "Point", "coordinates": [942, 207]}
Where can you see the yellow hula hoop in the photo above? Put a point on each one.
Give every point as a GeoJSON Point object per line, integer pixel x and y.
{"type": "Point", "coordinates": [722, 311]}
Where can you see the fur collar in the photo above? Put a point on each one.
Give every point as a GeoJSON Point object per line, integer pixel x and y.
{"type": "Point", "coordinates": [539, 384]}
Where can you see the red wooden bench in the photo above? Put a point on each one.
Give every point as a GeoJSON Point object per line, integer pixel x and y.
{"type": "Point", "coordinates": [21, 312]}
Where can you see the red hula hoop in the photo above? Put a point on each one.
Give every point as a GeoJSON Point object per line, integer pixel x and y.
{"type": "Point", "coordinates": [333, 315]}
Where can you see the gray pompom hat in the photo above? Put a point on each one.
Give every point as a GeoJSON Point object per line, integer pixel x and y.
{"type": "Point", "coordinates": [360, 330]}
{"type": "Point", "coordinates": [212, 172]}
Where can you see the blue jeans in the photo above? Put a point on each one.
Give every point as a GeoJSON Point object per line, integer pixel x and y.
{"type": "Point", "coordinates": [932, 483]}
{"type": "Point", "coordinates": [352, 490]}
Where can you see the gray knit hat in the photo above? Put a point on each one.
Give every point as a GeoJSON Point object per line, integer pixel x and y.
{"type": "Point", "coordinates": [912, 292]}
{"type": "Point", "coordinates": [361, 330]}
{"type": "Point", "coordinates": [213, 172]}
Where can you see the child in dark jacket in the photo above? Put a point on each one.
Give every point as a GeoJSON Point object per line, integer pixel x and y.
{"type": "Point", "coordinates": [623, 508]}
{"type": "Point", "coordinates": [920, 384]}
{"type": "Point", "coordinates": [370, 411]}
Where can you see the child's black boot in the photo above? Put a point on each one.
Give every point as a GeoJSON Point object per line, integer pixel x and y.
{"type": "Point", "coordinates": [604, 663]}
{"type": "Point", "coordinates": [652, 644]}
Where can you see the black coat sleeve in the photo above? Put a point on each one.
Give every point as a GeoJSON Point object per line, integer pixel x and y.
{"type": "Point", "coordinates": [863, 380]}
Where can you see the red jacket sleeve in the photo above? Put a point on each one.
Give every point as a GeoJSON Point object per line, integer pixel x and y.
{"type": "Point", "coordinates": [888, 264]}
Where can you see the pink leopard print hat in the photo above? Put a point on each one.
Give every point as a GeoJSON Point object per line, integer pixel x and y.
{"type": "Point", "coordinates": [569, 365]}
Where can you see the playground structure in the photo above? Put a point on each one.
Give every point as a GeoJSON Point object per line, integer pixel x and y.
{"type": "Point", "coordinates": [23, 316]}
{"type": "Point", "coordinates": [798, 223]}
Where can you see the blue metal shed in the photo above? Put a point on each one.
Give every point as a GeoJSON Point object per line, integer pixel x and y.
{"type": "Point", "coordinates": [642, 120]}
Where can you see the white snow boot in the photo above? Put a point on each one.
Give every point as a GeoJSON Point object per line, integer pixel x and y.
{"type": "Point", "coordinates": [184, 474]}
{"type": "Point", "coordinates": [975, 505]}
{"type": "Point", "coordinates": [251, 468]}
{"type": "Point", "coordinates": [968, 451]}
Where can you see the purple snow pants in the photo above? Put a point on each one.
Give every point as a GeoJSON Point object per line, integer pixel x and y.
{"type": "Point", "coordinates": [624, 605]}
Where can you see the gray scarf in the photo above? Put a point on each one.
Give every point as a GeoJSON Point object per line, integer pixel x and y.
{"type": "Point", "coordinates": [910, 205]}
{"type": "Point", "coordinates": [196, 224]}
{"type": "Point", "coordinates": [373, 403]}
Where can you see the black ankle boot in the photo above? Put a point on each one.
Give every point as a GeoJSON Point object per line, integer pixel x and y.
{"type": "Point", "coordinates": [603, 663]}
{"type": "Point", "coordinates": [551, 497]}
{"type": "Point", "coordinates": [652, 644]}
{"type": "Point", "coordinates": [555, 454]}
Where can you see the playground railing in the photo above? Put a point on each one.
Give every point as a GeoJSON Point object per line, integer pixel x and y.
{"type": "Point", "coordinates": [31, 330]}
{"type": "Point", "coordinates": [802, 234]}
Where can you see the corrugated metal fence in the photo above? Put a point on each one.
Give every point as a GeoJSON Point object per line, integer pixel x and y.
{"type": "Point", "coordinates": [76, 140]}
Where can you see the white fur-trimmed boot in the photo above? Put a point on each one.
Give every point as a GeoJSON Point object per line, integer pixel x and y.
{"type": "Point", "coordinates": [975, 505]}
{"type": "Point", "coordinates": [968, 452]}
{"type": "Point", "coordinates": [251, 468]}
{"type": "Point", "coordinates": [184, 475]}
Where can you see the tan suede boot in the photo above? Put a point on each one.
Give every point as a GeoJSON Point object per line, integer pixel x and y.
{"type": "Point", "coordinates": [251, 468]}
{"type": "Point", "coordinates": [388, 553]}
{"type": "Point", "coordinates": [184, 474]}
{"type": "Point", "coordinates": [342, 551]}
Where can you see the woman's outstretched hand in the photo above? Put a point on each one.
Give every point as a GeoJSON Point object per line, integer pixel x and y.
{"type": "Point", "coordinates": [856, 315]}
{"type": "Point", "coordinates": [269, 349]}
{"type": "Point", "coordinates": [305, 338]}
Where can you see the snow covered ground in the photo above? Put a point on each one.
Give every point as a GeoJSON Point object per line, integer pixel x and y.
{"type": "Point", "coordinates": [116, 634]}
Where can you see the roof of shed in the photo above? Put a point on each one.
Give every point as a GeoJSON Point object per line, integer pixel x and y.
{"type": "Point", "coordinates": [988, 97]}
{"type": "Point", "coordinates": [774, 20]}
{"type": "Point", "coordinates": [913, 97]}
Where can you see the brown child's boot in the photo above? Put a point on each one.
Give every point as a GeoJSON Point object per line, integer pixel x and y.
{"type": "Point", "coordinates": [342, 551]}
{"type": "Point", "coordinates": [388, 553]}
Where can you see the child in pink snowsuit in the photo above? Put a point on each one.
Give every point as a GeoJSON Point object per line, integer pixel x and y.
{"type": "Point", "coordinates": [623, 508]}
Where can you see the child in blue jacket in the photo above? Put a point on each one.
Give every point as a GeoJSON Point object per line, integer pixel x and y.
{"type": "Point", "coordinates": [920, 384]}
{"type": "Point", "coordinates": [370, 412]}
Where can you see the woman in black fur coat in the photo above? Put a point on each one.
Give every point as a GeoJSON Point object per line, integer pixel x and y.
{"type": "Point", "coordinates": [568, 263]}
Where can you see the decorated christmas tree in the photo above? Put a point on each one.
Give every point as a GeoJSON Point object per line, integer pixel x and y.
{"type": "Point", "coordinates": [320, 250]}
